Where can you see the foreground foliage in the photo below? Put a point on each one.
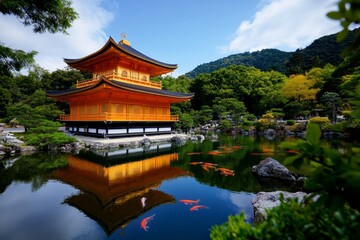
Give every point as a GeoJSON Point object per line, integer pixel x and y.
{"type": "Point", "coordinates": [291, 220]}
{"type": "Point", "coordinates": [334, 183]}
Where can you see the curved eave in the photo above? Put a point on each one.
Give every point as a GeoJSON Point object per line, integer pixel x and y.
{"type": "Point", "coordinates": [121, 85]}
{"type": "Point", "coordinates": [124, 49]}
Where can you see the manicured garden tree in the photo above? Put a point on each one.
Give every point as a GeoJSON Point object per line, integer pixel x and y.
{"type": "Point", "coordinates": [332, 101]}
{"type": "Point", "coordinates": [37, 113]}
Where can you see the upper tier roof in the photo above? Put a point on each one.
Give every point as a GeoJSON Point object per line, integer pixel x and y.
{"type": "Point", "coordinates": [112, 50]}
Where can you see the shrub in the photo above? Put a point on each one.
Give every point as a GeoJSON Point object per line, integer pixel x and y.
{"type": "Point", "coordinates": [250, 117]}
{"type": "Point", "coordinates": [225, 125]}
{"type": "Point", "coordinates": [290, 122]}
{"type": "Point", "coordinates": [265, 123]}
{"type": "Point", "coordinates": [298, 127]}
{"type": "Point", "coordinates": [337, 127]}
{"type": "Point", "coordinates": [321, 121]}
{"type": "Point", "coordinates": [45, 126]}
{"type": "Point", "coordinates": [186, 122]}
{"type": "Point", "coordinates": [48, 140]}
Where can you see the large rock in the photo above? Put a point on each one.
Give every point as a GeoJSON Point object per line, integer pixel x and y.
{"type": "Point", "coordinates": [273, 169]}
{"type": "Point", "coordinates": [178, 140]}
{"type": "Point", "coordinates": [268, 200]}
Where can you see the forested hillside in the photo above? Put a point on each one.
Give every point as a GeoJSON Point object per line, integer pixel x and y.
{"type": "Point", "coordinates": [267, 59]}
{"type": "Point", "coordinates": [322, 51]}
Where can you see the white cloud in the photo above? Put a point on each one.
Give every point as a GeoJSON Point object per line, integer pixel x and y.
{"type": "Point", "coordinates": [85, 36]}
{"type": "Point", "coordinates": [285, 25]}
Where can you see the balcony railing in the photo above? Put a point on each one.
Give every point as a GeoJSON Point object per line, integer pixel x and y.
{"type": "Point", "coordinates": [120, 117]}
{"type": "Point", "coordinates": [88, 82]}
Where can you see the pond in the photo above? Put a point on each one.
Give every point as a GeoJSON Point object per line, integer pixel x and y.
{"type": "Point", "coordinates": [136, 193]}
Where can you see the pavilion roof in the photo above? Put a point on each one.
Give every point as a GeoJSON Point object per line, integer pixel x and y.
{"type": "Point", "coordinates": [123, 86]}
{"type": "Point", "coordinates": [122, 50]}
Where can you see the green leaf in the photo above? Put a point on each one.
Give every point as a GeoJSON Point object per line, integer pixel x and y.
{"type": "Point", "coordinates": [313, 134]}
{"type": "Point", "coordinates": [342, 35]}
{"type": "Point", "coordinates": [290, 160]}
{"type": "Point", "coordinates": [334, 15]}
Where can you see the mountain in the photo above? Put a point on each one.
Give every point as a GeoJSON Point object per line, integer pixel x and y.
{"type": "Point", "coordinates": [322, 51]}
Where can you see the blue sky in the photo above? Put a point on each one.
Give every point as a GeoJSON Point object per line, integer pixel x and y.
{"type": "Point", "coordinates": [183, 32]}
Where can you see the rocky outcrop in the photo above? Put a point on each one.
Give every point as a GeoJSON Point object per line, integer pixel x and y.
{"type": "Point", "coordinates": [270, 168]}
{"type": "Point", "coordinates": [268, 200]}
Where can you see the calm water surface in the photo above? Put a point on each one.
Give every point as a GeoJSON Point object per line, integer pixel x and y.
{"type": "Point", "coordinates": [99, 194]}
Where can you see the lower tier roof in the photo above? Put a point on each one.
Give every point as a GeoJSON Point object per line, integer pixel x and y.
{"type": "Point", "coordinates": [123, 86]}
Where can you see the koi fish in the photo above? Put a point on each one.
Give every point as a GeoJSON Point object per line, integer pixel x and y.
{"type": "Point", "coordinates": [197, 207]}
{"type": "Point", "coordinates": [205, 167]}
{"type": "Point", "coordinates": [193, 153]}
{"type": "Point", "coordinates": [196, 163]}
{"type": "Point", "coordinates": [292, 151]}
{"type": "Point", "coordinates": [209, 164]}
{"type": "Point", "coordinates": [227, 173]}
{"type": "Point", "coordinates": [214, 152]}
{"type": "Point", "coordinates": [236, 147]}
{"type": "Point", "coordinates": [190, 202]}
{"type": "Point", "coordinates": [145, 221]}
{"type": "Point", "coordinates": [143, 199]}
{"type": "Point", "coordinates": [268, 150]}
{"type": "Point", "coordinates": [225, 170]}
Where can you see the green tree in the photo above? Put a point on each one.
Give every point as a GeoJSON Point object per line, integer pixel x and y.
{"type": "Point", "coordinates": [180, 84]}
{"type": "Point", "coordinates": [229, 107]}
{"type": "Point", "coordinates": [294, 64]}
{"type": "Point", "coordinates": [320, 75]}
{"type": "Point", "coordinates": [44, 15]}
{"type": "Point", "coordinates": [14, 60]}
{"type": "Point", "coordinates": [33, 109]}
{"type": "Point", "coordinates": [205, 114]}
{"type": "Point", "coordinates": [245, 84]}
{"type": "Point", "coordinates": [332, 101]}
{"type": "Point", "coordinates": [186, 121]}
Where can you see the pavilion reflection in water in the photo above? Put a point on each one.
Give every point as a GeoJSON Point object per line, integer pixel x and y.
{"type": "Point", "coordinates": [113, 183]}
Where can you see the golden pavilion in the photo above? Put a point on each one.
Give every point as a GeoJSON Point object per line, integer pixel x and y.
{"type": "Point", "coordinates": [120, 99]}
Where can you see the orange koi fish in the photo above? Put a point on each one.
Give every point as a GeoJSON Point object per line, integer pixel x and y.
{"type": "Point", "coordinates": [190, 202]}
{"type": "Point", "coordinates": [267, 150]}
{"type": "Point", "coordinates": [205, 167]}
{"type": "Point", "coordinates": [209, 164]}
{"type": "Point", "coordinates": [145, 221]}
{"type": "Point", "coordinates": [214, 153]}
{"type": "Point", "coordinates": [292, 151]}
{"type": "Point", "coordinates": [236, 147]}
{"type": "Point", "coordinates": [193, 153]}
{"type": "Point", "coordinates": [196, 163]}
{"type": "Point", "coordinates": [225, 170]}
{"type": "Point", "coordinates": [227, 173]}
{"type": "Point", "coordinates": [197, 207]}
